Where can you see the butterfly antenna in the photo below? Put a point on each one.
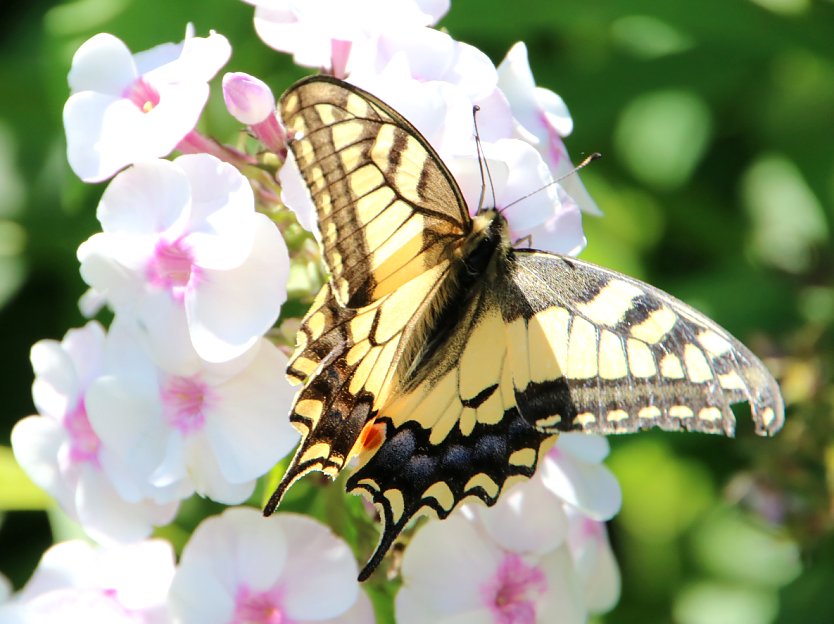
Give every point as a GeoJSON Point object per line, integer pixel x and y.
{"type": "Point", "coordinates": [484, 168]}
{"type": "Point", "coordinates": [585, 162]}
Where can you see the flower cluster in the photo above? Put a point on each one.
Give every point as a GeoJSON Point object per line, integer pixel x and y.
{"type": "Point", "coordinates": [541, 554]}
{"type": "Point", "coordinates": [184, 392]}
{"type": "Point", "coordinates": [236, 568]}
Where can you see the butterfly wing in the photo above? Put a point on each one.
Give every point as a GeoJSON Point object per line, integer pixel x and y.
{"type": "Point", "coordinates": [452, 432]}
{"type": "Point", "coordinates": [552, 344]}
{"type": "Point", "coordinates": [388, 208]}
{"type": "Point", "coordinates": [597, 351]}
{"type": "Point", "coordinates": [348, 359]}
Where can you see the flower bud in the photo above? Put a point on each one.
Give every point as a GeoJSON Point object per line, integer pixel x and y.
{"type": "Point", "coordinates": [248, 99]}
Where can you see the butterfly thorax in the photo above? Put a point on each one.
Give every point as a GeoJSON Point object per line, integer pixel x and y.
{"type": "Point", "coordinates": [476, 264]}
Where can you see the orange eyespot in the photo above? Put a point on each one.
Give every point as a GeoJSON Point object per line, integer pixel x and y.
{"type": "Point", "coordinates": [371, 437]}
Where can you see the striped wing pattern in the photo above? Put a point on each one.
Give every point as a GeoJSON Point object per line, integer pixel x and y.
{"type": "Point", "coordinates": [453, 432]}
{"type": "Point", "coordinates": [449, 384]}
{"type": "Point", "coordinates": [388, 209]}
{"type": "Point", "coordinates": [596, 351]}
{"type": "Point", "coordinates": [347, 360]}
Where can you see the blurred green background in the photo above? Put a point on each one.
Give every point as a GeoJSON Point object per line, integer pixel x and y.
{"type": "Point", "coordinates": [716, 121]}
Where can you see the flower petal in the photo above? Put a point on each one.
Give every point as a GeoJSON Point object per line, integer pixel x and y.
{"type": "Point", "coordinates": [232, 308]}
{"type": "Point", "coordinates": [244, 434]}
{"type": "Point", "coordinates": [102, 64]}
{"type": "Point", "coordinates": [526, 520]}
{"type": "Point", "coordinates": [316, 559]}
{"type": "Point", "coordinates": [589, 487]}
{"type": "Point", "coordinates": [445, 566]}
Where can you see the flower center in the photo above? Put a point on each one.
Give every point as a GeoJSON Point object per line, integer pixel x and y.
{"type": "Point", "coordinates": [171, 267]}
{"type": "Point", "coordinates": [84, 443]}
{"type": "Point", "coordinates": [259, 607]}
{"type": "Point", "coordinates": [143, 95]}
{"type": "Point", "coordinates": [512, 593]}
{"type": "Point", "coordinates": [184, 400]}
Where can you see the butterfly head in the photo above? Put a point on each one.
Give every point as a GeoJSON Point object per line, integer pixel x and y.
{"type": "Point", "coordinates": [490, 234]}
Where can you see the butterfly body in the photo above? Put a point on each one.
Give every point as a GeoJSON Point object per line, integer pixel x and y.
{"type": "Point", "coordinates": [444, 360]}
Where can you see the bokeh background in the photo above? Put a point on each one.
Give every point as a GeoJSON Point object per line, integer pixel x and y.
{"type": "Point", "coordinates": [716, 121]}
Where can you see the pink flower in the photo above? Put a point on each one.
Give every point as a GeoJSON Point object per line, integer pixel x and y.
{"type": "Point", "coordinates": [542, 119]}
{"type": "Point", "coordinates": [239, 567]}
{"type": "Point", "coordinates": [540, 554]}
{"type": "Point", "coordinates": [190, 425]}
{"type": "Point", "coordinates": [127, 108]}
{"type": "Point", "coordinates": [77, 582]}
{"type": "Point", "coordinates": [250, 101]}
{"type": "Point", "coordinates": [454, 571]}
{"type": "Point", "coordinates": [184, 253]}
{"type": "Point", "coordinates": [61, 452]}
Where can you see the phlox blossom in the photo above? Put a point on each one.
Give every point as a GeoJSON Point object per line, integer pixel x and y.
{"type": "Point", "coordinates": [192, 425]}
{"type": "Point", "coordinates": [542, 119]}
{"type": "Point", "coordinates": [241, 568]}
{"type": "Point", "coordinates": [185, 254]}
{"type": "Point", "coordinates": [61, 452]}
{"type": "Point", "coordinates": [454, 571]}
{"type": "Point", "coordinates": [125, 108]}
{"type": "Point", "coordinates": [322, 33]}
{"type": "Point", "coordinates": [533, 557]}
{"type": "Point", "coordinates": [77, 582]}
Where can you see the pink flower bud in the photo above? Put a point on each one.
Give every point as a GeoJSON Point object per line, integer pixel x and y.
{"type": "Point", "coordinates": [248, 99]}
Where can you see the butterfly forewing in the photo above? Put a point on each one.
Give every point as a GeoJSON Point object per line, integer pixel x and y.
{"type": "Point", "coordinates": [597, 351]}
{"type": "Point", "coordinates": [387, 208]}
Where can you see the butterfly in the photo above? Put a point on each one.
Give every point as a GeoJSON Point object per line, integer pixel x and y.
{"type": "Point", "coordinates": [443, 360]}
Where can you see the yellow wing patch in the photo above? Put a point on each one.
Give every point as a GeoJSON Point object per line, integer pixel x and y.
{"type": "Point", "coordinates": [388, 209]}
{"type": "Point", "coordinates": [621, 356]}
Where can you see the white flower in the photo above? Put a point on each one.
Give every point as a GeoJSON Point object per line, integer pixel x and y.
{"type": "Point", "coordinates": [454, 571]}
{"type": "Point", "coordinates": [127, 108]}
{"type": "Point", "coordinates": [540, 554]}
{"type": "Point", "coordinates": [321, 33]}
{"type": "Point", "coordinates": [184, 249]}
{"type": "Point", "coordinates": [594, 561]}
{"type": "Point", "coordinates": [191, 426]}
{"type": "Point", "coordinates": [542, 119]}
{"type": "Point", "coordinates": [240, 567]}
{"type": "Point", "coordinates": [76, 582]}
{"type": "Point", "coordinates": [61, 452]}
{"type": "Point", "coordinates": [574, 472]}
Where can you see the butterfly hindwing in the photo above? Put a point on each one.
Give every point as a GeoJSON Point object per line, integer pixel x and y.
{"type": "Point", "coordinates": [387, 208]}
{"type": "Point", "coordinates": [453, 432]}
